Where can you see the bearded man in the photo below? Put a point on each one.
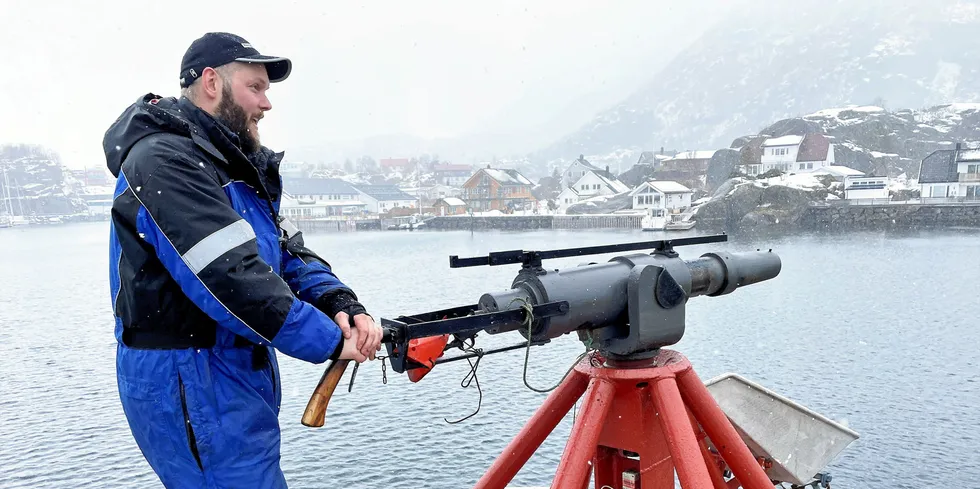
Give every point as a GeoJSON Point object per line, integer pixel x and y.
{"type": "Point", "coordinates": [207, 280]}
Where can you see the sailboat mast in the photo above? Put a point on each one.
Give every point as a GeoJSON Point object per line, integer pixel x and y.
{"type": "Point", "coordinates": [6, 193]}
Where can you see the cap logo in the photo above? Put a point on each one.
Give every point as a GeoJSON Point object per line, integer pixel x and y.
{"type": "Point", "coordinates": [193, 73]}
{"type": "Point", "coordinates": [247, 45]}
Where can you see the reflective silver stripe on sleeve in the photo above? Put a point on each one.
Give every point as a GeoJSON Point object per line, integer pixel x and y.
{"type": "Point", "coordinates": [218, 243]}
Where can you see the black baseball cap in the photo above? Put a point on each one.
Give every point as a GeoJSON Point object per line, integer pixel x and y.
{"type": "Point", "coordinates": [215, 49]}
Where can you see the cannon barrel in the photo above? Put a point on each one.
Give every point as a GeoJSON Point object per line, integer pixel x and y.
{"type": "Point", "coordinates": [597, 293]}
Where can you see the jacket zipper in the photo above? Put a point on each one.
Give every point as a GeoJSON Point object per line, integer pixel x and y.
{"type": "Point", "coordinates": [187, 425]}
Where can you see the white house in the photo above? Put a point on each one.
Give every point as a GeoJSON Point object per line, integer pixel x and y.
{"type": "Point", "coordinates": [661, 197]}
{"type": "Point", "coordinates": [577, 170]}
{"type": "Point", "coordinates": [794, 154]}
{"type": "Point", "coordinates": [865, 187]}
{"type": "Point", "coordinates": [951, 173]}
{"type": "Point", "coordinates": [318, 197]}
{"type": "Point", "coordinates": [451, 175]}
{"type": "Point", "coordinates": [440, 191]}
{"type": "Point", "coordinates": [592, 184]}
{"type": "Point", "coordinates": [381, 199]}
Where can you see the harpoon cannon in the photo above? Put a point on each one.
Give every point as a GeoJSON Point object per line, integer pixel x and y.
{"type": "Point", "coordinates": [625, 310]}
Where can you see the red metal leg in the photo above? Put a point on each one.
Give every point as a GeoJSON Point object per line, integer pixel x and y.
{"type": "Point", "coordinates": [710, 459]}
{"type": "Point", "coordinates": [720, 430]}
{"type": "Point", "coordinates": [717, 478]}
{"type": "Point", "coordinates": [534, 432]}
{"type": "Point", "coordinates": [582, 442]}
{"type": "Point", "coordinates": [688, 461]}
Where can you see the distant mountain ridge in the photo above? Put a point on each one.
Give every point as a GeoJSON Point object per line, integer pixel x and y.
{"type": "Point", "coordinates": [783, 60]}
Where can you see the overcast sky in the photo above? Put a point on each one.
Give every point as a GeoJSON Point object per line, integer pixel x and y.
{"type": "Point", "coordinates": [361, 69]}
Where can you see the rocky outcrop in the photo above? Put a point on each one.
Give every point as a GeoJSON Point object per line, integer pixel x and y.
{"type": "Point", "coordinates": [35, 183]}
{"type": "Point", "coordinates": [743, 205]}
{"type": "Point", "coordinates": [876, 141]}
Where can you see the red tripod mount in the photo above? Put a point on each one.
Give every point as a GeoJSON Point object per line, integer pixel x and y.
{"type": "Point", "coordinates": [641, 421]}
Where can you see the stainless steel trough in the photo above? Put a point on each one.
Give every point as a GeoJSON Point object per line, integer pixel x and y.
{"type": "Point", "coordinates": [798, 441]}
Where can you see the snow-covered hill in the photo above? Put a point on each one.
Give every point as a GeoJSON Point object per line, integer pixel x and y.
{"type": "Point", "coordinates": [874, 140]}
{"type": "Point", "coordinates": [774, 60]}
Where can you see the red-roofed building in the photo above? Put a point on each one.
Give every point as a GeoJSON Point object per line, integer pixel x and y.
{"type": "Point", "coordinates": [396, 164]}
{"type": "Point", "coordinates": [794, 154]}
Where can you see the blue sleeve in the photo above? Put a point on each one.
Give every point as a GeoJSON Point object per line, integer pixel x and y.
{"type": "Point", "coordinates": [307, 274]}
{"type": "Point", "coordinates": [212, 254]}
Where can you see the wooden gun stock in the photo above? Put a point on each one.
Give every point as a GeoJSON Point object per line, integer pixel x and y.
{"type": "Point", "coordinates": [316, 409]}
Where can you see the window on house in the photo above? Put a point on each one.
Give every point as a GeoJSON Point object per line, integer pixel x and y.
{"type": "Point", "coordinates": [973, 168]}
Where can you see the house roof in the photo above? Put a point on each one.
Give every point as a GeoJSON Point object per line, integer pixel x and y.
{"type": "Point", "coordinates": [838, 171]}
{"type": "Point", "coordinates": [692, 155]}
{"type": "Point", "coordinates": [611, 183]}
{"type": "Point", "coordinates": [453, 201]}
{"type": "Point", "coordinates": [669, 187]}
{"type": "Point", "coordinates": [663, 186]}
{"type": "Point", "coordinates": [507, 176]}
{"type": "Point", "coordinates": [968, 155]}
{"type": "Point", "coordinates": [650, 157]}
{"type": "Point", "coordinates": [939, 167]}
{"type": "Point", "coordinates": [791, 140]}
{"type": "Point", "coordinates": [584, 162]}
{"type": "Point", "coordinates": [316, 186]}
{"type": "Point", "coordinates": [814, 147]}
{"type": "Point", "coordinates": [384, 192]}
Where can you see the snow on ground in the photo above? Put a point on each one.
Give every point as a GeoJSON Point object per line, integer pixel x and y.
{"type": "Point", "coordinates": [902, 182]}
{"type": "Point", "coordinates": [834, 113]}
{"type": "Point", "coordinates": [802, 181]}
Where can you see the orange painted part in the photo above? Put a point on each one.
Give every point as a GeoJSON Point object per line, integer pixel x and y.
{"type": "Point", "coordinates": [425, 351]}
{"type": "Point", "coordinates": [574, 469]}
{"type": "Point", "coordinates": [691, 467]}
{"type": "Point", "coordinates": [721, 432]}
{"type": "Point", "coordinates": [634, 421]}
{"type": "Point", "coordinates": [541, 424]}
{"type": "Point", "coordinates": [717, 478]}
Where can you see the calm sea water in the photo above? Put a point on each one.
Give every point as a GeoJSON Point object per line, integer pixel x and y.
{"type": "Point", "coordinates": [877, 331]}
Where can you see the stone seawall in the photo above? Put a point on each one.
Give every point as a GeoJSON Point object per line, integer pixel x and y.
{"type": "Point", "coordinates": [890, 216]}
{"type": "Point", "coordinates": [535, 222]}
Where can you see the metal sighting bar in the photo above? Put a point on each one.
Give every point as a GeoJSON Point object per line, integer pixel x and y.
{"type": "Point", "coordinates": [534, 257]}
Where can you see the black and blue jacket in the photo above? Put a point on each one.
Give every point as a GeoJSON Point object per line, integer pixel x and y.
{"type": "Point", "coordinates": [204, 285]}
{"type": "Point", "coordinates": [197, 254]}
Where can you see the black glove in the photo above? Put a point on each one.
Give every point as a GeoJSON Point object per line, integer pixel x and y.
{"type": "Point", "coordinates": [339, 300]}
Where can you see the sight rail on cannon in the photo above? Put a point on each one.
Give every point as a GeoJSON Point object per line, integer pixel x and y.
{"type": "Point", "coordinates": [646, 415]}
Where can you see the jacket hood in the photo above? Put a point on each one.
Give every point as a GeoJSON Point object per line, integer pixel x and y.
{"type": "Point", "coordinates": [149, 115]}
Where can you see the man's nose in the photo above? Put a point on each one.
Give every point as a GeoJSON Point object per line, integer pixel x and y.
{"type": "Point", "coordinates": [264, 103]}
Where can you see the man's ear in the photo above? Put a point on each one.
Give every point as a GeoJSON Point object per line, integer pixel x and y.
{"type": "Point", "coordinates": [211, 84]}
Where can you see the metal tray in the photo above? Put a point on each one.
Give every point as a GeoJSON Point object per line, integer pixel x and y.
{"type": "Point", "coordinates": [798, 441]}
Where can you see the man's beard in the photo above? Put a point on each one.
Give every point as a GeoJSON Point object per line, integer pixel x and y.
{"type": "Point", "coordinates": [234, 116]}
